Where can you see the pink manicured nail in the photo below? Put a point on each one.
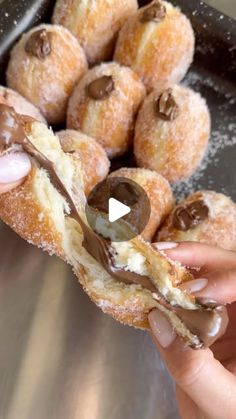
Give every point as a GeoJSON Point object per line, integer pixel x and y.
{"type": "Point", "coordinates": [195, 285]}
{"type": "Point", "coordinates": [161, 328]}
{"type": "Point", "coordinates": [13, 167]}
{"type": "Point", "coordinates": [165, 245]}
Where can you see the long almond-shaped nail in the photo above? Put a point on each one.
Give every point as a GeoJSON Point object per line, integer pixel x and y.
{"type": "Point", "coordinates": [195, 285]}
{"type": "Point", "coordinates": [161, 328]}
{"type": "Point", "coordinates": [13, 167]}
{"type": "Point", "coordinates": [165, 245]}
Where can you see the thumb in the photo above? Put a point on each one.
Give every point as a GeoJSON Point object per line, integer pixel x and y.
{"type": "Point", "coordinates": [13, 168]}
{"type": "Point", "coordinates": [210, 386]}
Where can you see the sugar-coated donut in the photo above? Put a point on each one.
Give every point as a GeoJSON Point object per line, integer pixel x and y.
{"type": "Point", "coordinates": [44, 67]}
{"type": "Point", "coordinates": [206, 217]}
{"type": "Point", "coordinates": [158, 43]}
{"type": "Point", "coordinates": [127, 279]}
{"type": "Point", "coordinates": [94, 161]}
{"type": "Point", "coordinates": [104, 104]}
{"type": "Point", "coordinates": [95, 24]}
{"type": "Point", "coordinates": [158, 191]}
{"type": "Point", "coordinates": [172, 132]}
{"type": "Point", "coordinates": [19, 103]}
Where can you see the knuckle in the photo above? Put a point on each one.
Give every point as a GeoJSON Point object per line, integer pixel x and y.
{"type": "Point", "coordinates": [190, 372]}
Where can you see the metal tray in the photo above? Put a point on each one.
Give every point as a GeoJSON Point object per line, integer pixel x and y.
{"type": "Point", "coordinates": [60, 356]}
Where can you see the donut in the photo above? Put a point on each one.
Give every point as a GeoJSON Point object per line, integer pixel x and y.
{"type": "Point", "coordinates": [158, 191]}
{"type": "Point", "coordinates": [45, 65]}
{"type": "Point", "coordinates": [206, 217]}
{"type": "Point", "coordinates": [172, 132]}
{"type": "Point", "coordinates": [126, 280]}
{"type": "Point", "coordinates": [104, 105]}
{"type": "Point", "coordinates": [19, 103]}
{"type": "Point", "coordinates": [95, 24]}
{"type": "Point", "coordinates": [93, 158]}
{"type": "Point", "coordinates": [158, 44]}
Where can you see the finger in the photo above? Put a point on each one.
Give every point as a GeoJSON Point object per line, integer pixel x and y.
{"type": "Point", "coordinates": [219, 286]}
{"type": "Point", "coordinates": [13, 168]}
{"type": "Point", "coordinates": [200, 255]}
{"type": "Point", "coordinates": [196, 372]}
{"type": "Point", "coordinates": [224, 349]}
{"type": "Point", "coordinates": [187, 408]}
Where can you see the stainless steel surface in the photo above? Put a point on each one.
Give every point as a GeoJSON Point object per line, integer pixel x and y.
{"type": "Point", "coordinates": [60, 357]}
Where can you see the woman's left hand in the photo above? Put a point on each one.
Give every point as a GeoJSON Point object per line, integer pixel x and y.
{"type": "Point", "coordinates": [13, 169]}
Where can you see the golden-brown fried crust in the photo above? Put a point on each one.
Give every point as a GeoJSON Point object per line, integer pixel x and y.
{"type": "Point", "coordinates": [160, 53]}
{"type": "Point", "coordinates": [95, 25]}
{"type": "Point", "coordinates": [20, 210]}
{"type": "Point", "coordinates": [94, 161]}
{"type": "Point", "coordinates": [218, 229]}
{"type": "Point", "coordinates": [48, 83]}
{"type": "Point", "coordinates": [176, 147]}
{"type": "Point", "coordinates": [22, 106]}
{"type": "Point", "coordinates": [131, 314]}
{"type": "Point", "coordinates": [109, 121]}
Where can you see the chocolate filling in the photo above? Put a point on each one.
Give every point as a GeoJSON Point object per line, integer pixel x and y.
{"type": "Point", "coordinates": [166, 107]}
{"type": "Point", "coordinates": [39, 44]}
{"type": "Point", "coordinates": [190, 215]}
{"type": "Point", "coordinates": [101, 88]}
{"type": "Point", "coordinates": [155, 12]}
{"type": "Point", "coordinates": [207, 323]}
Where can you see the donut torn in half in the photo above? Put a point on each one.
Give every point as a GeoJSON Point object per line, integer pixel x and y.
{"type": "Point", "coordinates": [127, 280]}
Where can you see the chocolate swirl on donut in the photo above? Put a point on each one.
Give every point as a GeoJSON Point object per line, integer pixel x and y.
{"type": "Point", "coordinates": [191, 215]}
{"type": "Point", "coordinates": [166, 106]}
{"type": "Point", "coordinates": [100, 88]}
{"type": "Point", "coordinates": [155, 12]}
{"type": "Point", "coordinates": [39, 44]}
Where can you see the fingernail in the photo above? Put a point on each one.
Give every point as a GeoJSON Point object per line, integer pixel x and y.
{"type": "Point", "coordinates": [165, 245]}
{"type": "Point", "coordinates": [161, 328]}
{"type": "Point", "coordinates": [13, 167]}
{"type": "Point", "coordinates": [195, 285]}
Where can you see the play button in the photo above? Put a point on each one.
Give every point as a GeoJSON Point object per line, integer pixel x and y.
{"type": "Point", "coordinates": [118, 209]}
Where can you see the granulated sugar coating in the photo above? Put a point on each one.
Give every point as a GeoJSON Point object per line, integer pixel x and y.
{"type": "Point", "coordinates": [217, 171]}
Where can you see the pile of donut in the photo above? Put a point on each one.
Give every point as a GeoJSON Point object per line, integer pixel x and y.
{"type": "Point", "coordinates": [62, 73]}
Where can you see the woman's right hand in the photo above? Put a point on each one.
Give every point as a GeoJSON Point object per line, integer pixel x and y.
{"type": "Point", "coordinates": [13, 169]}
{"type": "Point", "coordinates": [206, 378]}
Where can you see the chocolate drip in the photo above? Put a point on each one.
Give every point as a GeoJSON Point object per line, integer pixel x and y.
{"type": "Point", "coordinates": [155, 12]}
{"type": "Point", "coordinates": [190, 215]}
{"type": "Point", "coordinates": [207, 323]}
{"type": "Point", "coordinates": [166, 106]}
{"type": "Point", "coordinates": [39, 44]}
{"type": "Point", "coordinates": [11, 131]}
{"type": "Point", "coordinates": [101, 88]}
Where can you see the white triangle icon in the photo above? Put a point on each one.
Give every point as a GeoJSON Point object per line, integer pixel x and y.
{"type": "Point", "coordinates": [117, 210]}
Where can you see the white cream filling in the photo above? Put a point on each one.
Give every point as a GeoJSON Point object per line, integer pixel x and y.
{"type": "Point", "coordinates": [126, 257]}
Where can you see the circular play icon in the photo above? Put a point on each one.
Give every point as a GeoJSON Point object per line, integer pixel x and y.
{"type": "Point", "coordinates": [118, 209]}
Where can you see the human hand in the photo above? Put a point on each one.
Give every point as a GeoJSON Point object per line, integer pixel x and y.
{"type": "Point", "coordinates": [205, 379]}
{"type": "Point", "coordinates": [13, 168]}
